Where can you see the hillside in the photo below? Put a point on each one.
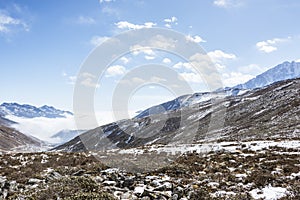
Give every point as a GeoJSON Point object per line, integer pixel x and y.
{"type": "Point", "coordinates": [13, 140]}
{"type": "Point", "coordinates": [271, 112]}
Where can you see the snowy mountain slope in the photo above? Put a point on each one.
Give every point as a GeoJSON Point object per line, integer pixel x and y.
{"type": "Point", "coordinates": [284, 71]}
{"type": "Point", "coordinates": [269, 112]}
{"type": "Point", "coordinates": [66, 135]}
{"type": "Point", "coordinates": [189, 100]}
{"type": "Point", "coordinates": [29, 111]}
{"type": "Point", "coordinates": [11, 140]}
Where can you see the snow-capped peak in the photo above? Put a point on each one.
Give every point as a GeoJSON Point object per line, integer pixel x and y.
{"type": "Point", "coordinates": [29, 111]}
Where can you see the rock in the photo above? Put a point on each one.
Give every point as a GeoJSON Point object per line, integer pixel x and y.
{"type": "Point", "coordinates": [79, 173]}
{"type": "Point", "coordinates": [195, 187]}
{"type": "Point", "coordinates": [164, 186]}
{"type": "Point", "coordinates": [53, 176]}
{"type": "Point", "coordinates": [167, 194]}
{"type": "Point", "coordinates": [175, 197]}
{"type": "Point", "coordinates": [110, 171]}
{"type": "Point", "coordinates": [99, 179]}
{"type": "Point", "coordinates": [13, 185]}
{"type": "Point", "coordinates": [139, 190]}
{"type": "Point", "coordinates": [168, 185]}
{"type": "Point", "coordinates": [179, 191]}
{"type": "Point", "coordinates": [155, 183]}
{"type": "Point", "coordinates": [2, 181]}
{"type": "Point", "coordinates": [34, 181]}
{"type": "Point", "coordinates": [128, 196]}
{"type": "Point", "coordinates": [113, 177]}
{"type": "Point", "coordinates": [118, 194]}
{"type": "Point", "coordinates": [128, 182]}
{"type": "Point", "coordinates": [109, 183]}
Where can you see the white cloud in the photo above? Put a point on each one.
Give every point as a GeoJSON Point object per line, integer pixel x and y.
{"type": "Point", "coordinates": [171, 20]}
{"type": "Point", "coordinates": [7, 23]}
{"type": "Point", "coordinates": [251, 69]}
{"type": "Point", "coordinates": [220, 66]}
{"type": "Point", "coordinates": [115, 70]}
{"type": "Point", "coordinates": [110, 11]}
{"type": "Point", "coordinates": [97, 40]}
{"type": "Point", "coordinates": [105, 1]}
{"type": "Point", "coordinates": [196, 39]}
{"type": "Point", "coordinates": [137, 49]}
{"type": "Point", "coordinates": [64, 74]}
{"type": "Point", "coordinates": [88, 80]}
{"type": "Point", "coordinates": [190, 77]}
{"type": "Point", "coordinates": [235, 78]}
{"type": "Point", "coordinates": [227, 3]}
{"type": "Point", "coordinates": [85, 20]}
{"type": "Point", "coordinates": [128, 25]}
{"type": "Point", "coordinates": [43, 128]}
{"type": "Point", "coordinates": [168, 25]}
{"type": "Point", "coordinates": [269, 46]}
{"type": "Point", "coordinates": [221, 3]}
{"type": "Point", "coordinates": [298, 60]}
{"type": "Point", "coordinates": [72, 80]}
{"type": "Point", "coordinates": [183, 65]}
{"type": "Point", "coordinates": [149, 57]}
{"type": "Point", "coordinates": [138, 80]}
{"type": "Point", "coordinates": [167, 60]}
{"type": "Point", "coordinates": [160, 41]}
{"type": "Point", "coordinates": [124, 60]}
{"type": "Point", "coordinates": [219, 55]}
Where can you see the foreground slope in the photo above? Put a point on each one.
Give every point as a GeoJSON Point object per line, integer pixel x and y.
{"type": "Point", "coordinates": [237, 171]}
{"type": "Point", "coordinates": [271, 112]}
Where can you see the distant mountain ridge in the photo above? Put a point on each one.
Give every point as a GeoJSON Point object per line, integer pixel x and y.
{"type": "Point", "coordinates": [188, 100]}
{"type": "Point", "coordinates": [29, 111]}
{"type": "Point", "coordinates": [284, 71]}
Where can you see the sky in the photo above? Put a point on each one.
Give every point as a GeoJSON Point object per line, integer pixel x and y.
{"type": "Point", "coordinates": [43, 44]}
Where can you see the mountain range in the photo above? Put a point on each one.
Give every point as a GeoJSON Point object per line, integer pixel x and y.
{"type": "Point", "coordinates": [249, 100]}
{"type": "Point", "coordinates": [29, 111]}
{"type": "Point", "coordinates": [270, 112]}
{"type": "Point", "coordinates": [284, 71]}
{"type": "Point", "coordinates": [13, 139]}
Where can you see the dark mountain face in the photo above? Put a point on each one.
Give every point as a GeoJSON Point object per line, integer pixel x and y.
{"type": "Point", "coordinates": [6, 122]}
{"type": "Point", "coordinates": [269, 112]}
{"type": "Point", "coordinates": [29, 111]}
{"type": "Point", "coordinates": [13, 140]}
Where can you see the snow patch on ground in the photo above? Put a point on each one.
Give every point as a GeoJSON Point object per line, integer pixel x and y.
{"type": "Point", "coordinates": [269, 193]}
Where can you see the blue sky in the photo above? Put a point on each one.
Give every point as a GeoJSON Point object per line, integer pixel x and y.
{"type": "Point", "coordinates": [43, 44]}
